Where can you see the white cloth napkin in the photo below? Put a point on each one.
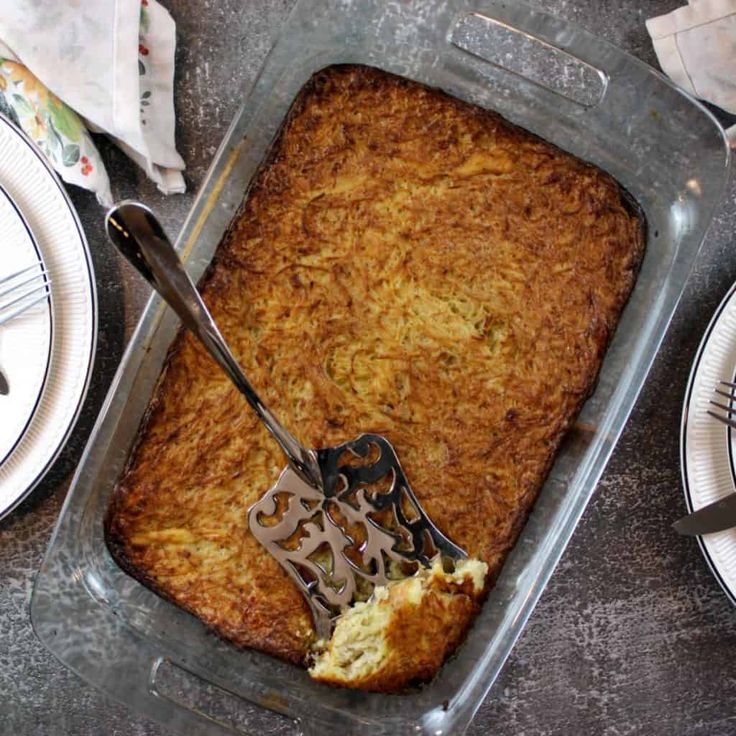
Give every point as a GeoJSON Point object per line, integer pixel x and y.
{"type": "Point", "coordinates": [696, 47]}
{"type": "Point", "coordinates": [112, 61]}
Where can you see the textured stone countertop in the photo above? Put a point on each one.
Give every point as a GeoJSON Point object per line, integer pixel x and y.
{"type": "Point", "coordinates": [632, 636]}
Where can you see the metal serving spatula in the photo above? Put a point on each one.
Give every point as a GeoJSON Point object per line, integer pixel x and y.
{"type": "Point", "coordinates": [340, 520]}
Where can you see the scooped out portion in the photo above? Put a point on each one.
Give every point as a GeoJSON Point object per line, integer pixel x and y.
{"type": "Point", "coordinates": [404, 633]}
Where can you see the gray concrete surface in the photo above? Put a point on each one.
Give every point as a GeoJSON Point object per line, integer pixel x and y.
{"type": "Point", "coordinates": [633, 634]}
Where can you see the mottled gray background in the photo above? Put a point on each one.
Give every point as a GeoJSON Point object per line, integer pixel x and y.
{"type": "Point", "coordinates": [633, 634]}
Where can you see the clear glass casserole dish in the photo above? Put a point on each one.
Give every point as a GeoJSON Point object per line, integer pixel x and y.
{"type": "Point", "coordinates": [551, 78]}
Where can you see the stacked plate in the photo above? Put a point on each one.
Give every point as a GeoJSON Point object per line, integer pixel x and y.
{"type": "Point", "coordinates": [46, 353]}
{"type": "Point", "coordinates": [707, 447]}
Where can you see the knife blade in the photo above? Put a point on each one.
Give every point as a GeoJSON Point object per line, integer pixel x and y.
{"type": "Point", "coordinates": [4, 388]}
{"type": "Point", "coordinates": [715, 517]}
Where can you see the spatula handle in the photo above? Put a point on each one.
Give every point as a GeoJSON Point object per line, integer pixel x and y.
{"type": "Point", "coordinates": [139, 236]}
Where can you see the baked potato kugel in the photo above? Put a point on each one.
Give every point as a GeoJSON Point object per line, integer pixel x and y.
{"type": "Point", "coordinates": [405, 263]}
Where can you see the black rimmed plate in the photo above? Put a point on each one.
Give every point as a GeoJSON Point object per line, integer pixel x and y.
{"type": "Point", "coordinates": [707, 447]}
{"type": "Point", "coordinates": [25, 342]}
{"type": "Point", "coordinates": [51, 402]}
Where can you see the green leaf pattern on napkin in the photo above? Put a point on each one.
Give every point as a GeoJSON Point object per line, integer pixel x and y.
{"type": "Point", "coordinates": [55, 128]}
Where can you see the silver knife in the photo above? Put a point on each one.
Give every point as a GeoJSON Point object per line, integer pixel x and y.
{"type": "Point", "coordinates": [715, 517]}
{"type": "Point", "coordinates": [4, 388]}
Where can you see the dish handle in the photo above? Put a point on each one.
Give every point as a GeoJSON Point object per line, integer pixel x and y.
{"type": "Point", "coordinates": [219, 709]}
{"type": "Point", "coordinates": [531, 46]}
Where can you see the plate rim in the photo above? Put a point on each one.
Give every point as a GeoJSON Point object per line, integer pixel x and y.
{"type": "Point", "coordinates": [54, 455]}
{"type": "Point", "coordinates": [727, 589]}
{"type": "Point", "coordinates": [4, 193]}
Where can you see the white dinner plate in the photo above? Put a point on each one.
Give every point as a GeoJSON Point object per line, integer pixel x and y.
{"type": "Point", "coordinates": [25, 342]}
{"type": "Point", "coordinates": [707, 447]}
{"type": "Point", "coordinates": [40, 197]}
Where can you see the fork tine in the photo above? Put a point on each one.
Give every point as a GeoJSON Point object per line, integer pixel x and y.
{"type": "Point", "coordinates": [728, 422]}
{"type": "Point", "coordinates": [22, 297]}
{"type": "Point", "coordinates": [11, 276]}
{"type": "Point", "coordinates": [22, 308]}
{"type": "Point", "coordinates": [25, 282]}
{"type": "Point", "coordinates": [725, 420]}
{"type": "Point", "coordinates": [729, 409]}
{"type": "Point", "coordinates": [726, 394]}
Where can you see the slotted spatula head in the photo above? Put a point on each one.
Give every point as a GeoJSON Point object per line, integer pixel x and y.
{"type": "Point", "coordinates": [362, 529]}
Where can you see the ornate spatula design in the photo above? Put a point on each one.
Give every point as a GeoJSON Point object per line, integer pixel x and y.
{"type": "Point", "coordinates": [340, 520]}
{"type": "Point", "coordinates": [340, 541]}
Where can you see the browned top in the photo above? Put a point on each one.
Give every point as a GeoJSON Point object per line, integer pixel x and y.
{"type": "Point", "coordinates": [406, 264]}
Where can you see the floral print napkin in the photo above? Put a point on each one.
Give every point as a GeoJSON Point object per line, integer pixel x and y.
{"type": "Point", "coordinates": [55, 128]}
{"type": "Point", "coordinates": [69, 67]}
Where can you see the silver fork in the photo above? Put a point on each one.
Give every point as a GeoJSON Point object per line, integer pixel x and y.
{"type": "Point", "coordinates": [22, 290]}
{"type": "Point", "coordinates": [719, 515]}
{"type": "Point", "coordinates": [19, 292]}
{"type": "Point", "coordinates": [731, 396]}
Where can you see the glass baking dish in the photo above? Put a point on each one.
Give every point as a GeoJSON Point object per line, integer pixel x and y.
{"type": "Point", "coordinates": [553, 79]}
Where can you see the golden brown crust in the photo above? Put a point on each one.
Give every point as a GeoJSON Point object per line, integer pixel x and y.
{"type": "Point", "coordinates": [406, 264]}
{"type": "Point", "coordinates": [403, 635]}
{"type": "Point", "coordinates": [420, 639]}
